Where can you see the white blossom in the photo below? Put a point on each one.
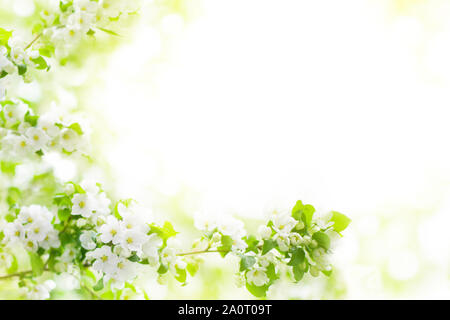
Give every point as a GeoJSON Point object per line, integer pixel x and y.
{"type": "Point", "coordinates": [105, 259]}
{"type": "Point", "coordinates": [87, 239]}
{"type": "Point", "coordinates": [265, 232]}
{"type": "Point", "coordinates": [42, 291]}
{"type": "Point", "coordinates": [257, 276]}
{"type": "Point", "coordinates": [111, 231]}
{"type": "Point", "coordinates": [82, 204]}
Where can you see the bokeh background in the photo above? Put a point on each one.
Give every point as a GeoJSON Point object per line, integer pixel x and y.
{"type": "Point", "coordinates": [239, 107]}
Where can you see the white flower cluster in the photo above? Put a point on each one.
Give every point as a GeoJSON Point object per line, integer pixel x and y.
{"type": "Point", "coordinates": [281, 231]}
{"type": "Point", "coordinates": [65, 22]}
{"type": "Point", "coordinates": [33, 229]}
{"type": "Point", "coordinates": [289, 243]}
{"type": "Point", "coordinates": [18, 55]}
{"type": "Point", "coordinates": [220, 226]}
{"type": "Point", "coordinates": [41, 291]}
{"type": "Point", "coordinates": [24, 134]}
{"type": "Point", "coordinates": [115, 244]}
{"type": "Point", "coordinates": [91, 204]}
{"type": "Point", "coordinates": [79, 17]}
{"type": "Point", "coordinates": [257, 275]}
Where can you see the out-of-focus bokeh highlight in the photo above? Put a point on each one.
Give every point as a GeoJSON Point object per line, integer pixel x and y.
{"type": "Point", "coordinates": [238, 107]}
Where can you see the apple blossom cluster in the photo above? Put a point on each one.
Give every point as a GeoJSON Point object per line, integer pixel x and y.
{"type": "Point", "coordinates": [63, 25]}
{"type": "Point", "coordinates": [41, 291]}
{"type": "Point", "coordinates": [24, 134]}
{"type": "Point", "coordinates": [85, 233]}
{"type": "Point", "coordinates": [116, 241]}
{"type": "Point", "coordinates": [292, 243]}
{"type": "Point", "coordinates": [32, 228]}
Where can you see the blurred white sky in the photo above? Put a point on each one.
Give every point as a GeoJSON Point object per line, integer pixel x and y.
{"type": "Point", "coordinates": [257, 104]}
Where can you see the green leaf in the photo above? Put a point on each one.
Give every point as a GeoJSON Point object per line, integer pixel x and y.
{"type": "Point", "coordinates": [99, 285]}
{"type": "Point", "coordinates": [130, 286]}
{"type": "Point", "coordinates": [64, 5]}
{"type": "Point", "coordinates": [10, 218]}
{"type": "Point", "coordinates": [227, 243]}
{"type": "Point", "coordinates": [162, 269]}
{"type": "Point", "coordinates": [31, 119]}
{"type": "Point", "coordinates": [341, 221]}
{"type": "Point", "coordinates": [77, 188]}
{"type": "Point", "coordinates": [76, 127]}
{"type": "Point", "coordinates": [168, 229]}
{"type": "Point", "coordinates": [22, 68]}
{"type": "Point", "coordinates": [4, 36]}
{"type": "Point", "coordinates": [108, 295]}
{"type": "Point", "coordinates": [322, 239]}
{"type": "Point", "coordinates": [90, 276]}
{"type": "Point", "coordinates": [40, 63]}
{"type": "Point", "coordinates": [303, 213]}
{"type": "Point", "coordinates": [192, 268]}
{"type": "Point", "coordinates": [14, 195]}
{"type": "Point", "coordinates": [47, 51]}
{"type": "Point", "coordinates": [134, 258]}
{"type": "Point", "coordinates": [8, 167]}
{"type": "Point", "coordinates": [268, 245]}
{"type": "Point", "coordinates": [37, 28]}
{"type": "Point", "coordinates": [62, 200]}
{"type": "Point", "coordinates": [271, 273]}
{"type": "Point", "coordinates": [165, 232]}
{"type": "Point", "coordinates": [14, 265]}
{"type": "Point", "coordinates": [247, 262]}
{"type": "Point", "coordinates": [298, 272]}
{"type": "Point", "coordinates": [181, 275]}
{"type": "Point", "coordinates": [64, 214]}
{"type": "Point", "coordinates": [252, 243]}
{"type": "Point", "coordinates": [297, 257]}
{"type": "Point", "coordinates": [327, 273]}
{"type": "Point", "coordinates": [109, 32]}
{"type": "Point", "coordinates": [297, 211]}
{"type": "Point", "coordinates": [37, 265]}
{"type": "Point", "coordinates": [259, 292]}
{"type": "Point", "coordinates": [65, 238]}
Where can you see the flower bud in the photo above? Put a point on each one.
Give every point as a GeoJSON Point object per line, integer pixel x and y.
{"type": "Point", "coordinates": [299, 226]}
{"type": "Point", "coordinates": [314, 271]}
{"type": "Point", "coordinates": [265, 232]}
{"type": "Point", "coordinates": [216, 237]}
{"type": "Point", "coordinates": [240, 281]}
{"type": "Point", "coordinates": [295, 239]}
{"type": "Point", "coordinates": [81, 222]}
{"type": "Point", "coordinates": [306, 239]}
{"type": "Point", "coordinates": [180, 264]}
{"type": "Point", "coordinates": [69, 189]}
{"type": "Point", "coordinates": [162, 280]}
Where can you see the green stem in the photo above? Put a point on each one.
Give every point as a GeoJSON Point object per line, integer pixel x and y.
{"type": "Point", "coordinates": [199, 252]}
{"type": "Point", "coordinates": [33, 41]}
{"type": "Point", "coordinates": [17, 274]}
{"type": "Point", "coordinates": [92, 293]}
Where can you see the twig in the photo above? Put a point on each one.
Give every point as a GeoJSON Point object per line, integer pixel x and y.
{"type": "Point", "coordinates": [33, 41]}
{"type": "Point", "coordinates": [199, 252]}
